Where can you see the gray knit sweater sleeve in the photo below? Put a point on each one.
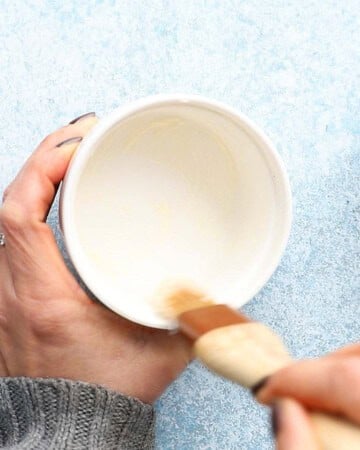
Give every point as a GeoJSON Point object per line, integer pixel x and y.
{"type": "Point", "coordinates": [57, 414]}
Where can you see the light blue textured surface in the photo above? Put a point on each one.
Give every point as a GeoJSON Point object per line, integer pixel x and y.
{"type": "Point", "coordinates": [294, 67]}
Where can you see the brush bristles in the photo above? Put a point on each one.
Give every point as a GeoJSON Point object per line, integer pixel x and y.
{"type": "Point", "coordinates": [183, 300]}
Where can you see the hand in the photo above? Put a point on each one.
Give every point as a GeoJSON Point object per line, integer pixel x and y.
{"type": "Point", "coordinates": [330, 384]}
{"type": "Point", "coordinates": [49, 327]}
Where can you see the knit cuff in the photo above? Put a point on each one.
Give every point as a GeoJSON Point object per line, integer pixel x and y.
{"type": "Point", "coordinates": [40, 413]}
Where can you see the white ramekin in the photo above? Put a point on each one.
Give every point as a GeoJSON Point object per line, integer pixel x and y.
{"type": "Point", "coordinates": [261, 217]}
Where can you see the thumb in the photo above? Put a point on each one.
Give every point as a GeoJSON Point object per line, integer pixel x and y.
{"type": "Point", "coordinates": [31, 248]}
{"type": "Point", "coordinates": [292, 427]}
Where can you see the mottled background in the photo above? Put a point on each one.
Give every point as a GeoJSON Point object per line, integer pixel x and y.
{"type": "Point", "coordinates": [294, 67]}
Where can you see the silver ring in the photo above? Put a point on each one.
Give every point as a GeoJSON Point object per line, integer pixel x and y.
{"type": "Point", "coordinates": [2, 240]}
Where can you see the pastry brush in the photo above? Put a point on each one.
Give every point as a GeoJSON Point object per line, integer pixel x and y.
{"type": "Point", "coordinates": [244, 351]}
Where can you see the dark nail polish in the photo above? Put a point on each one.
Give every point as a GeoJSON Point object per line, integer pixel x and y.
{"type": "Point", "coordinates": [260, 384]}
{"type": "Point", "coordinates": [73, 140]}
{"type": "Point", "coordinates": [275, 419]}
{"type": "Point", "coordinates": [83, 116]}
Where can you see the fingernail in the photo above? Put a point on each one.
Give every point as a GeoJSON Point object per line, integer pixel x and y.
{"type": "Point", "coordinates": [83, 116]}
{"type": "Point", "coordinates": [260, 384]}
{"type": "Point", "coordinates": [275, 419]}
{"type": "Point", "coordinates": [73, 140]}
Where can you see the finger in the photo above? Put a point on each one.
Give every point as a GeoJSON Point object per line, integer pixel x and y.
{"type": "Point", "coordinates": [34, 188]}
{"type": "Point", "coordinates": [292, 427]}
{"type": "Point", "coordinates": [352, 349]}
{"type": "Point", "coordinates": [329, 384]}
{"type": "Point", "coordinates": [30, 244]}
{"type": "Point", "coordinates": [81, 124]}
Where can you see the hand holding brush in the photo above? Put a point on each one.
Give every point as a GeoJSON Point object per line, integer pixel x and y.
{"type": "Point", "coordinates": [248, 352]}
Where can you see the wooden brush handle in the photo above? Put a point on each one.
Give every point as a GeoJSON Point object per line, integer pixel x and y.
{"type": "Point", "coordinates": [246, 353]}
